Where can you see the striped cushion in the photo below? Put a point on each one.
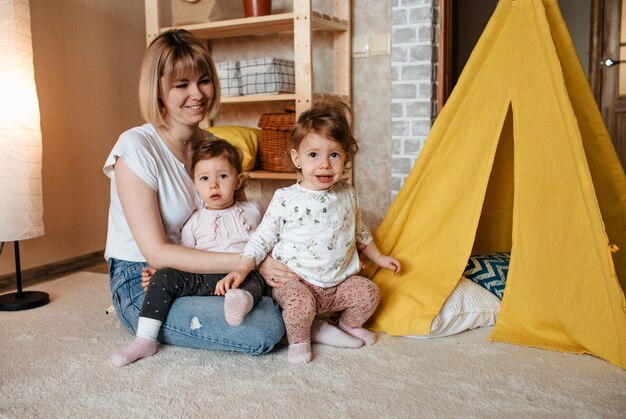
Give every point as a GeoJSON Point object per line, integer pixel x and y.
{"type": "Point", "coordinates": [489, 270]}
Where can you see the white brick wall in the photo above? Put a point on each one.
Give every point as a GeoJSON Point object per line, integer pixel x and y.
{"type": "Point", "coordinates": [413, 82]}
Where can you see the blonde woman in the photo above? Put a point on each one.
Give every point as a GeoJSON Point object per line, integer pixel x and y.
{"type": "Point", "coordinates": [153, 194]}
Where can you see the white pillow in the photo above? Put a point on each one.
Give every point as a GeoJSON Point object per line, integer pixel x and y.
{"type": "Point", "coordinates": [468, 307]}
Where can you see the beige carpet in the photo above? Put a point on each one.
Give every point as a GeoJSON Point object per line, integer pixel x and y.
{"type": "Point", "coordinates": [54, 362]}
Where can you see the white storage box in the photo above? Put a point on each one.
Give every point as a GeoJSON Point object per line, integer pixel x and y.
{"type": "Point", "coordinates": [230, 78]}
{"type": "Point", "coordinates": [267, 76]}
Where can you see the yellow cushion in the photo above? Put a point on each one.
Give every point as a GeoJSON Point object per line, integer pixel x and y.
{"type": "Point", "coordinates": [245, 138]}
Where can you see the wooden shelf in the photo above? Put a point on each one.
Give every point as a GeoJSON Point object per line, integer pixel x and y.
{"type": "Point", "coordinates": [289, 97]}
{"type": "Point", "coordinates": [257, 98]}
{"type": "Point", "coordinates": [262, 174]}
{"type": "Point", "coordinates": [262, 25]}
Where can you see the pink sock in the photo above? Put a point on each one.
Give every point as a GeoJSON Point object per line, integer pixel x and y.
{"type": "Point", "coordinates": [326, 333]}
{"type": "Point", "coordinates": [140, 348]}
{"type": "Point", "coordinates": [237, 304]}
{"type": "Point", "coordinates": [368, 338]}
{"type": "Point", "coordinates": [299, 353]}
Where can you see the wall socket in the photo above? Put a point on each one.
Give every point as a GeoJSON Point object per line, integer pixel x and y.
{"type": "Point", "coordinates": [371, 44]}
{"type": "Point", "coordinates": [254, 189]}
{"type": "Point", "coordinates": [360, 46]}
{"type": "Point", "coordinates": [380, 44]}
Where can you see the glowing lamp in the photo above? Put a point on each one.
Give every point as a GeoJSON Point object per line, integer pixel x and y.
{"type": "Point", "coordinates": [21, 200]}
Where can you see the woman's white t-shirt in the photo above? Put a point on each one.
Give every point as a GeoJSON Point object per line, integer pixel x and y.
{"type": "Point", "coordinates": [147, 155]}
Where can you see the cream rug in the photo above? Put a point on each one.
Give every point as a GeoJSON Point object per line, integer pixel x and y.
{"type": "Point", "coordinates": [55, 362]}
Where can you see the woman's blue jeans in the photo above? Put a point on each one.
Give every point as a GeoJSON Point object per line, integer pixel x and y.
{"type": "Point", "coordinates": [196, 322]}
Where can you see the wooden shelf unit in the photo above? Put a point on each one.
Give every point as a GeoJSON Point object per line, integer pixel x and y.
{"type": "Point", "coordinates": [259, 98]}
{"type": "Point", "coordinates": [301, 23]}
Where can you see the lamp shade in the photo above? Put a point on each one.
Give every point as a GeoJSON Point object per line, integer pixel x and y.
{"type": "Point", "coordinates": [21, 200]}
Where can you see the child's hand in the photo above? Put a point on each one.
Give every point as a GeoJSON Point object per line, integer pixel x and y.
{"type": "Point", "coordinates": [232, 280]}
{"type": "Point", "coordinates": [146, 276]}
{"type": "Point", "coordinates": [389, 263]}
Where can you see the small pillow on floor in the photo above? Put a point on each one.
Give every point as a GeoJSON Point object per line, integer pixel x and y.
{"type": "Point", "coordinates": [468, 307]}
{"type": "Point", "coordinates": [489, 270]}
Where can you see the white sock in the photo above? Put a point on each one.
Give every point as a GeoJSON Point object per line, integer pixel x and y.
{"type": "Point", "coordinates": [148, 328]}
{"type": "Point", "coordinates": [326, 333]}
{"type": "Point", "coordinates": [299, 353]}
{"type": "Point", "coordinates": [138, 349]}
{"type": "Point", "coordinates": [237, 304]}
{"type": "Point", "coordinates": [368, 338]}
{"type": "Point", "coordinates": [144, 344]}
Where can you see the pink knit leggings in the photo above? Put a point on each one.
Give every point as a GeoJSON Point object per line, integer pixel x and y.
{"type": "Point", "coordinates": [357, 297]}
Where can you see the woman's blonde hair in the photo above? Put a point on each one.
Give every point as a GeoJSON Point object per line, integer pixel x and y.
{"type": "Point", "coordinates": [170, 55]}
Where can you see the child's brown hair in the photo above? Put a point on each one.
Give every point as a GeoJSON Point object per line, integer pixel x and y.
{"type": "Point", "coordinates": [215, 149]}
{"type": "Point", "coordinates": [330, 118]}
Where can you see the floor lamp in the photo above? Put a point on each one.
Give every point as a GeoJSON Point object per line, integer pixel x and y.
{"type": "Point", "coordinates": [21, 300]}
{"type": "Point", "coordinates": [21, 201]}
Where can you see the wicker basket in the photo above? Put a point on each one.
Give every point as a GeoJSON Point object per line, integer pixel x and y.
{"type": "Point", "coordinates": [276, 140]}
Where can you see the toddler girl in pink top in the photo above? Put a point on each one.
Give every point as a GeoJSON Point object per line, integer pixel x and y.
{"type": "Point", "coordinates": [222, 225]}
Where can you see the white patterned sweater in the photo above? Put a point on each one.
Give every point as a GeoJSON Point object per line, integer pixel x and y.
{"type": "Point", "coordinates": [314, 233]}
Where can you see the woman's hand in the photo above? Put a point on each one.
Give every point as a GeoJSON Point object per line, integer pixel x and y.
{"type": "Point", "coordinates": [275, 273]}
{"type": "Point", "coordinates": [146, 276]}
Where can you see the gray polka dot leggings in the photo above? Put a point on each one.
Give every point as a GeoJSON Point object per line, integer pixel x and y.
{"type": "Point", "coordinates": [356, 297]}
{"type": "Point", "coordinates": [168, 283]}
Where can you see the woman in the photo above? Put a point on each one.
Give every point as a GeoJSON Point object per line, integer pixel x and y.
{"type": "Point", "coordinates": [152, 195]}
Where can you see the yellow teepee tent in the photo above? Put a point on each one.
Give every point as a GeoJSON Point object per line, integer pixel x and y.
{"type": "Point", "coordinates": [519, 161]}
